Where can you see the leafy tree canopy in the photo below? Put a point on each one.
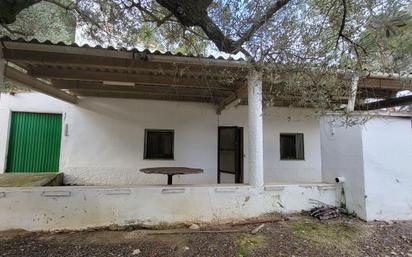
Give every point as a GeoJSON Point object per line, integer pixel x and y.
{"type": "Point", "coordinates": [354, 33]}
{"type": "Point", "coordinates": [43, 21]}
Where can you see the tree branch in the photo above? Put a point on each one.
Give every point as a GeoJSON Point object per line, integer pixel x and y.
{"type": "Point", "coordinates": [342, 35]}
{"type": "Point", "coordinates": [68, 7]}
{"type": "Point", "coordinates": [260, 22]}
{"type": "Point", "coordinates": [342, 24]}
{"type": "Point", "coordinates": [143, 10]}
{"type": "Point", "coordinates": [138, 5]}
{"type": "Point", "coordinates": [164, 19]}
{"type": "Point", "coordinates": [194, 13]}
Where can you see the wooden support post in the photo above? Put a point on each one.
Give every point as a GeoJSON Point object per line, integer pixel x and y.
{"type": "Point", "coordinates": [38, 85]}
{"type": "Point", "coordinates": [354, 90]}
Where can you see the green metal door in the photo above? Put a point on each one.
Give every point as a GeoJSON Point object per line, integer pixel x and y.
{"type": "Point", "coordinates": [34, 142]}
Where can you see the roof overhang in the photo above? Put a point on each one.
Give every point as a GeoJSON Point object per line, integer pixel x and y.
{"type": "Point", "coordinates": [71, 71]}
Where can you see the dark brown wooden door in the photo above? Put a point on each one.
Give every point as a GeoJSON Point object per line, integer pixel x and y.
{"type": "Point", "coordinates": [230, 155]}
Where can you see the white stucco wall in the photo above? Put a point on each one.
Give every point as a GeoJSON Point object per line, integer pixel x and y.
{"type": "Point", "coordinates": [342, 156]}
{"type": "Point", "coordinates": [25, 102]}
{"type": "Point", "coordinates": [276, 121]}
{"type": "Point", "coordinates": [376, 160]}
{"type": "Point", "coordinates": [105, 140]}
{"type": "Point", "coordinates": [388, 168]}
{"type": "Point", "coordinates": [51, 208]}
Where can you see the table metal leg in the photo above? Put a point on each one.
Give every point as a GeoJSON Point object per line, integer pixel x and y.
{"type": "Point", "coordinates": [169, 179]}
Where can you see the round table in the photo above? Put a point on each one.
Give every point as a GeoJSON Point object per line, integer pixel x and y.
{"type": "Point", "coordinates": [171, 171]}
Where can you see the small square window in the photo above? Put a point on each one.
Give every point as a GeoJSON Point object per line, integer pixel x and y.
{"type": "Point", "coordinates": [158, 144]}
{"type": "Point", "coordinates": [291, 146]}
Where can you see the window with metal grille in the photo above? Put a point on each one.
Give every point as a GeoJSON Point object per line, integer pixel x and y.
{"type": "Point", "coordinates": [291, 146]}
{"type": "Point", "coordinates": [158, 144]}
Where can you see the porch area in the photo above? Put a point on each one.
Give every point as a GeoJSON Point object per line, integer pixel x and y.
{"type": "Point", "coordinates": [109, 101]}
{"type": "Point", "coordinates": [124, 110]}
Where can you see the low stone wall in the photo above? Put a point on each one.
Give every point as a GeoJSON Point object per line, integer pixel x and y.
{"type": "Point", "coordinates": [54, 208]}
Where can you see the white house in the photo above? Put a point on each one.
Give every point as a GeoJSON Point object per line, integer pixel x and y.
{"type": "Point", "coordinates": [104, 114]}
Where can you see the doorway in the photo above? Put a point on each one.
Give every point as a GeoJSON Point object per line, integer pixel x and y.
{"type": "Point", "coordinates": [230, 155]}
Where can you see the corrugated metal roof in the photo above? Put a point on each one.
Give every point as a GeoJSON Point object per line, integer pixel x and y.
{"type": "Point", "coordinates": [123, 49]}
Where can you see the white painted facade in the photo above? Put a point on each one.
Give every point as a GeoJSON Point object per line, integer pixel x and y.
{"type": "Point", "coordinates": [283, 120]}
{"type": "Point", "coordinates": [376, 160]}
{"type": "Point", "coordinates": [388, 168]}
{"type": "Point", "coordinates": [342, 156]}
{"type": "Point", "coordinates": [104, 143]}
{"type": "Point", "coordinates": [54, 208]}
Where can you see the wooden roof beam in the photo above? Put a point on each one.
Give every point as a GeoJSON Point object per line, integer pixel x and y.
{"type": "Point", "coordinates": [376, 93]}
{"type": "Point", "coordinates": [240, 93]}
{"type": "Point", "coordinates": [38, 85]}
{"type": "Point", "coordinates": [387, 103]}
{"type": "Point", "coordinates": [139, 95]}
{"type": "Point", "coordinates": [30, 52]}
{"type": "Point", "coordinates": [99, 86]}
{"type": "Point", "coordinates": [391, 84]}
{"type": "Point", "coordinates": [92, 75]}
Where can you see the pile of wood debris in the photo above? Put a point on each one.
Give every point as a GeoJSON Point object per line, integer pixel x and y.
{"type": "Point", "coordinates": [325, 211]}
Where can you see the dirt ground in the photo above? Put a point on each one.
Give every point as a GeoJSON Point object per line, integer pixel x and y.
{"type": "Point", "coordinates": [296, 235]}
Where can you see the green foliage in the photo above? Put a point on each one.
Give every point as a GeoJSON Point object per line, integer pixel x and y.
{"type": "Point", "coordinates": [388, 39]}
{"type": "Point", "coordinates": [117, 23]}
{"type": "Point", "coordinates": [44, 21]}
{"type": "Point", "coordinates": [374, 34]}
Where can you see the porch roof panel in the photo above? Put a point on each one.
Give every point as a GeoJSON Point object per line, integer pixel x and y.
{"type": "Point", "coordinates": [130, 73]}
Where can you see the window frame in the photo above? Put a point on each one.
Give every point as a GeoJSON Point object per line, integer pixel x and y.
{"type": "Point", "coordinates": [303, 147]}
{"type": "Point", "coordinates": [145, 153]}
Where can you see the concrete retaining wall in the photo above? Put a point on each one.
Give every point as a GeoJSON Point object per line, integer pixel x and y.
{"type": "Point", "coordinates": [54, 208]}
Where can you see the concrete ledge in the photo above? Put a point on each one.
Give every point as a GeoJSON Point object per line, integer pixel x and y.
{"type": "Point", "coordinates": [31, 179]}
{"type": "Point", "coordinates": [54, 208]}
